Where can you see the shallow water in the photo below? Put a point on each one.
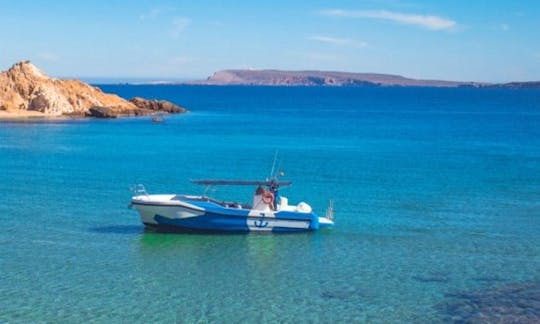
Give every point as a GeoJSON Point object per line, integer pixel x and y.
{"type": "Point", "coordinates": [436, 192]}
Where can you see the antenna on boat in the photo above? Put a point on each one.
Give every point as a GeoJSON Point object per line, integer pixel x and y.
{"type": "Point", "coordinates": [272, 175]}
{"type": "Point", "coordinates": [207, 188]}
{"type": "Point", "coordinates": [330, 210]}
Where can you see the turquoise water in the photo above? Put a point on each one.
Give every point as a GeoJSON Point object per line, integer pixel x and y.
{"type": "Point", "coordinates": [436, 193]}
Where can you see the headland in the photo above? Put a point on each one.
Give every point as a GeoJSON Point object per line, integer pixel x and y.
{"type": "Point", "coordinates": [27, 92]}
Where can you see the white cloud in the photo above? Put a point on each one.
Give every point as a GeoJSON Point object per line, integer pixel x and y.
{"type": "Point", "coordinates": [425, 21]}
{"type": "Point", "coordinates": [337, 41]}
{"type": "Point", "coordinates": [178, 25]}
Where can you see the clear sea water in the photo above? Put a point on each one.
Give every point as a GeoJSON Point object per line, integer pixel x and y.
{"type": "Point", "coordinates": [436, 193]}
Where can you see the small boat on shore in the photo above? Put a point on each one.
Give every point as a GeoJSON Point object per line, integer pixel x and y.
{"type": "Point", "coordinates": [267, 212]}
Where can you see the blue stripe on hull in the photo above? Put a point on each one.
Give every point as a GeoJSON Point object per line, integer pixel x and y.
{"type": "Point", "coordinates": [211, 222]}
{"type": "Point", "coordinates": [165, 228]}
{"type": "Point", "coordinates": [207, 222]}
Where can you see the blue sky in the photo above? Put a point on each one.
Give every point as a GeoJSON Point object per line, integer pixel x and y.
{"type": "Point", "coordinates": [479, 40]}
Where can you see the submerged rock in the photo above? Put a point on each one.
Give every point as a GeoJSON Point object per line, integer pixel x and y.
{"type": "Point", "coordinates": [344, 294]}
{"type": "Point", "coordinates": [513, 303]}
{"type": "Point", "coordinates": [442, 278]}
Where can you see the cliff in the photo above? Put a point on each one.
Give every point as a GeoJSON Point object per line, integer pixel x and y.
{"type": "Point", "coordinates": [26, 91]}
{"type": "Point", "coordinates": [321, 78]}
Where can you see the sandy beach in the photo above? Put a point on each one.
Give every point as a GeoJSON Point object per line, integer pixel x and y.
{"type": "Point", "coordinates": [21, 114]}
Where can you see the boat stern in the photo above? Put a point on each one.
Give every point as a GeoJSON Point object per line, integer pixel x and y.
{"type": "Point", "coordinates": [328, 219]}
{"type": "Point", "coordinates": [325, 222]}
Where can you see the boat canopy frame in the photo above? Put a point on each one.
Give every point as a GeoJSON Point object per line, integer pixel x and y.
{"type": "Point", "coordinates": [273, 184]}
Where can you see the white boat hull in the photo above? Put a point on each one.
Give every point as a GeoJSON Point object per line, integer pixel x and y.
{"type": "Point", "coordinates": [201, 214]}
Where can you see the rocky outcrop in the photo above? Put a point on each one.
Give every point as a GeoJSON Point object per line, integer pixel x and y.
{"type": "Point", "coordinates": [156, 105]}
{"type": "Point", "coordinates": [102, 112]}
{"type": "Point", "coordinates": [26, 91]}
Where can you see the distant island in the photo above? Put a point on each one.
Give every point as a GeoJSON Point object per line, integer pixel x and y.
{"type": "Point", "coordinates": [336, 79]}
{"type": "Point", "coordinates": [25, 91]}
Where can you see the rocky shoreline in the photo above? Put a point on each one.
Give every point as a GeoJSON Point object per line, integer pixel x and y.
{"type": "Point", "coordinates": [26, 92]}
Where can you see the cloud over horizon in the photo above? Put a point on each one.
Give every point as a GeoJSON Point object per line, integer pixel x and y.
{"type": "Point", "coordinates": [337, 41]}
{"type": "Point", "coordinates": [430, 22]}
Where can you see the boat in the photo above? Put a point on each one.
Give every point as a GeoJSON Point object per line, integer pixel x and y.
{"type": "Point", "coordinates": [267, 212]}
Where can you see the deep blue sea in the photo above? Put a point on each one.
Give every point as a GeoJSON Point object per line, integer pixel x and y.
{"type": "Point", "coordinates": [436, 195]}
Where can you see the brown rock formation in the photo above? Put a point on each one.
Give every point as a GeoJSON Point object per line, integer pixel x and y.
{"type": "Point", "coordinates": [156, 105]}
{"type": "Point", "coordinates": [26, 91]}
{"type": "Point", "coordinates": [102, 112]}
